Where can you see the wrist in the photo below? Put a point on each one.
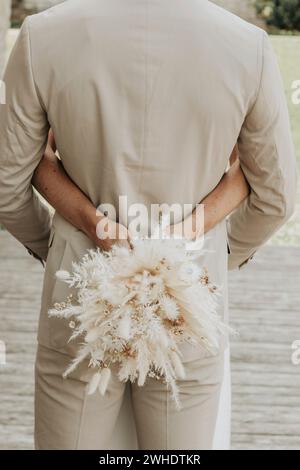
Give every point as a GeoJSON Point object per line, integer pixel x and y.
{"type": "Point", "coordinates": [198, 222]}
{"type": "Point", "coordinates": [208, 221]}
{"type": "Point", "coordinates": [90, 217]}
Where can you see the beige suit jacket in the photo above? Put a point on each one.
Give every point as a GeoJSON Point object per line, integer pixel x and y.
{"type": "Point", "coordinates": [147, 99]}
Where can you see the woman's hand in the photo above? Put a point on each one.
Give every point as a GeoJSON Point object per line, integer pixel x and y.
{"type": "Point", "coordinates": [103, 231]}
{"type": "Point", "coordinates": [191, 228]}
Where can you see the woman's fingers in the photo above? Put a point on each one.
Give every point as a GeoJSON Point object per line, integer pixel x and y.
{"type": "Point", "coordinates": [110, 233]}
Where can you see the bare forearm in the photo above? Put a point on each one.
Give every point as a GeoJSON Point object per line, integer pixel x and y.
{"type": "Point", "coordinates": [226, 197]}
{"type": "Point", "coordinates": [52, 182]}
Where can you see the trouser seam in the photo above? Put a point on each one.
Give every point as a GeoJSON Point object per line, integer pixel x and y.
{"type": "Point", "coordinates": [80, 420]}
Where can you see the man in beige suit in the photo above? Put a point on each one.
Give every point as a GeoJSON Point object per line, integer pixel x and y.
{"type": "Point", "coordinates": [146, 98]}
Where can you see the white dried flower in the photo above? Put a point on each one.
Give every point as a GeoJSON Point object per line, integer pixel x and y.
{"type": "Point", "coordinates": [124, 327]}
{"type": "Point", "coordinates": [94, 383]}
{"type": "Point", "coordinates": [104, 380]}
{"type": "Point", "coordinates": [170, 307]}
{"type": "Point", "coordinates": [63, 275]}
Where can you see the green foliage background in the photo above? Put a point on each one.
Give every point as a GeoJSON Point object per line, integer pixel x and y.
{"type": "Point", "coordinates": [281, 14]}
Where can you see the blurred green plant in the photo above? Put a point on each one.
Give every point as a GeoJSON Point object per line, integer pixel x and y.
{"type": "Point", "coordinates": [281, 14]}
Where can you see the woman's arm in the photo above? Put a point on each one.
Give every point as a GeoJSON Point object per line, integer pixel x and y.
{"type": "Point", "coordinates": [52, 182]}
{"type": "Point", "coordinates": [224, 199]}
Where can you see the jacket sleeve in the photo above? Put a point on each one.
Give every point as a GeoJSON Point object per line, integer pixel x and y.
{"type": "Point", "coordinates": [23, 136]}
{"type": "Point", "coordinates": [268, 162]}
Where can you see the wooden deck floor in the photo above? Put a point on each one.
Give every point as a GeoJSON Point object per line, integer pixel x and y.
{"type": "Point", "coordinates": [264, 304]}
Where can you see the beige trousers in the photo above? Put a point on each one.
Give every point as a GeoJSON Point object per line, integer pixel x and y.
{"type": "Point", "coordinates": [67, 418]}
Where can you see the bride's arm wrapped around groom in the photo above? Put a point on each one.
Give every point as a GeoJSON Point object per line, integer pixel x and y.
{"type": "Point", "coordinates": [51, 180]}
